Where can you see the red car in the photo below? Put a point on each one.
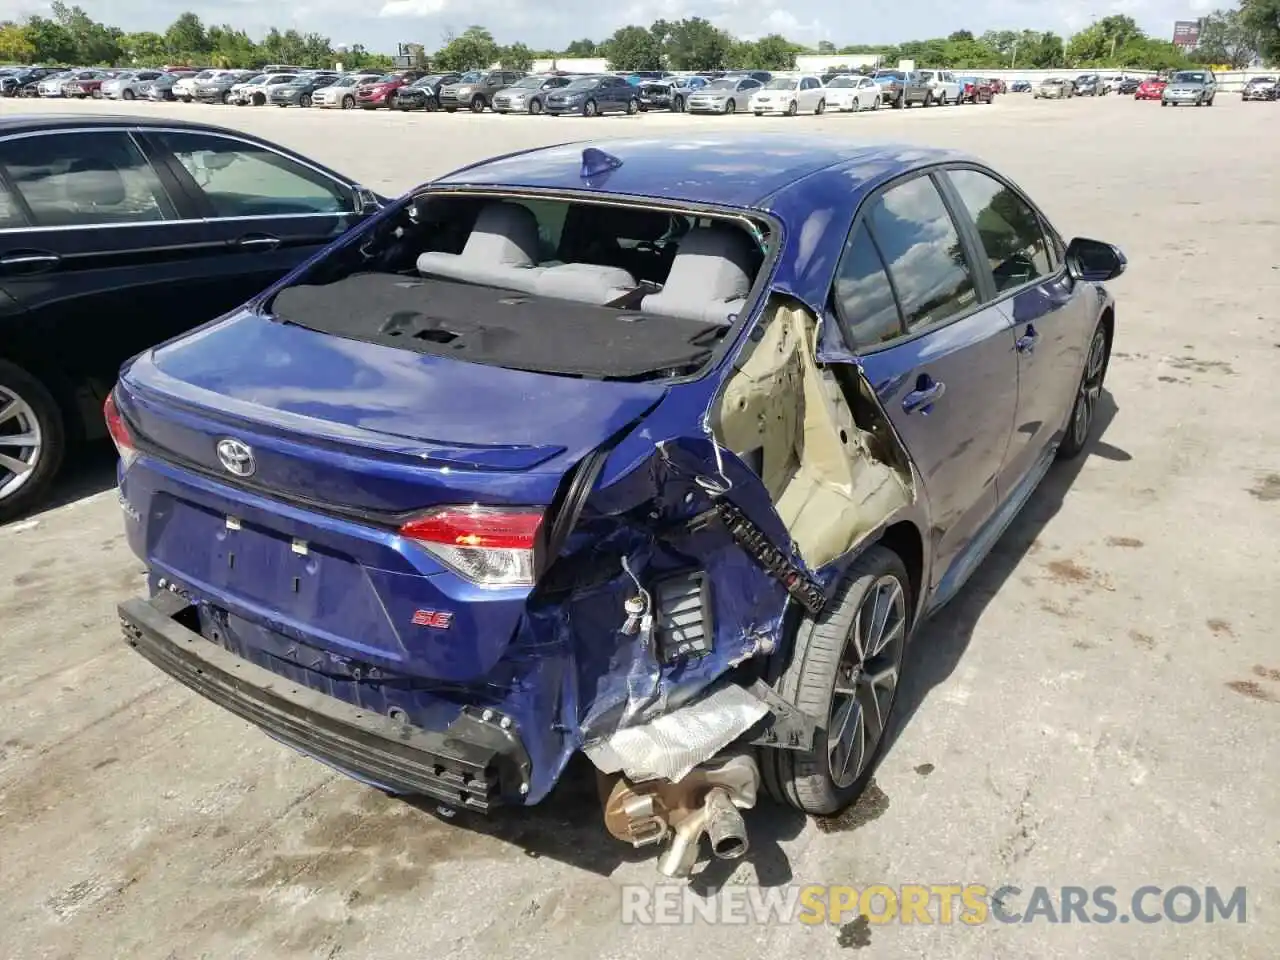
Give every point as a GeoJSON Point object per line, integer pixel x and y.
{"type": "Point", "coordinates": [997, 85]}
{"type": "Point", "coordinates": [381, 92]}
{"type": "Point", "coordinates": [1150, 90]}
{"type": "Point", "coordinates": [976, 90]}
{"type": "Point", "coordinates": [86, 83]}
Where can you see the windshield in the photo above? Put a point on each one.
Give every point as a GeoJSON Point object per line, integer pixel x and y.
{"type": "Point", "coordinates": [926, 74]}
{"type": "Point", "coordinates": [584, 83]}
{"type": "Point", "coordinates": [281, 78]}
{"type": "Point", "coordinates": [888, 74]}
{"type": "Point", "coordinates": [842, 82]}
{"type": "Point", "coordinates": [474, 76]}
{"type": "Point", "coordinates": [1263, 80]}
{"type": "Point", "coordinates": [1187, 76]}
{"type": "Point", "coordinates": [726, 84]}
{"type": "Point", "coordinates": [782, 83]}
{"type": "Point", "coordinates": [530, 83]}
{"type": "Point", "coordinates": [204, 75]}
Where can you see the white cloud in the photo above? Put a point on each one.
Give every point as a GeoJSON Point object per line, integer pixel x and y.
{"type": "Point", "coordinates": [541, 24]}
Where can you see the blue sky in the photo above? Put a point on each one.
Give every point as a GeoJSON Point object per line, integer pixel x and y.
{"type": "Point", "coordinates": [380, 24]}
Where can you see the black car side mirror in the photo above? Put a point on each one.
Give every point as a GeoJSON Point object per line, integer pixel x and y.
{"type": "Point", "coordinates": [1094, 260]}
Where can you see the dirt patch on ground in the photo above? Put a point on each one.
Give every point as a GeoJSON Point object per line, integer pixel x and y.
{"type": "Point", "coordinates": [1267, 489]}
{"type": "Point", "coordinates": [1253, 690]}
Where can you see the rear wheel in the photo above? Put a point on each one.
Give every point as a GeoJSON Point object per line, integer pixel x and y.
{"type": "Point", "coordinates": [32, 440]}
{"type": "Point", "coordinates": [731, 106]}
{"type": "Point", "coordinates": [844, 668]}
{"type": "Point", "coordinates": [259, 100]}
{"type": "Point", "coordinates": [1085, 409]}
{"type": "Point", "coordinates": [127, 94]}
{"type": "Point", "coordinates": [901, 102]}
{"type": "Point", "coordinates": [304, 100]}
{"type": "Point", "coordinates": [589, 109]}
{"type": "Point", "coordinates": [477, 103]}
{"type": "Point", "coordinates": [822, 105]}
{"type": "Point", "coordinates": [226, 97]}
{"type": "Point", "coordinates": [633, 107]}
{"type": "Point", "coordinates": [535, 106]}
{"type": "Point", "coordinates": [348, 102]}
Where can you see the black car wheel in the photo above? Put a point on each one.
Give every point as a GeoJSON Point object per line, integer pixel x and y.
{"type": "Point", "coordinates": [226, 97]}
{"type": "Point", "coordinates": [450, 109]}
{"type": "Point", "coordinates": [677, 105]}
{"type": "Point", "coordinates": [1085, 409]}
{"type": "Point", "coordinates": [731, 106]}
{"type": "Point", "coordinates": [477, 103]}
{"type": "Point", "coordinates": [348, 102]}
{"type": "Point", "coordinates": [845, 667]}
{"type": "Point", "coordinates": [259, 100]}
{"type": "Point", "coordinates": [535, 105]}
{"type": "Point", "coordinates": [901, 102]}
{"type": "Point", "coordinates": [126, 94]}
{"type": "Point", "coordinates": [822, 105]}
{"type": "Point", "coordinates": [589, 109]}
{"type": "Point", "coordinates": [633, 107]}
{"type": "Point", "coordinates": [928, 99]}
{"type": "Point", "coordinates": [430, 105]}
{"type": "Point", "coordinates": [32, 440]}
{"type": "Point", "coordinates": [304, 100]}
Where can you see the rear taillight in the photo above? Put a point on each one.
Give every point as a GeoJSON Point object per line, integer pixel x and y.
{"type": "Point", "coordinates": [490, 546]}
{"type": "Point", "coordinates": [119, 431]}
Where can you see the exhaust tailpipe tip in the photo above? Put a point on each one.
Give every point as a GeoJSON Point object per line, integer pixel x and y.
{"type": "Point", "coordinates": [726, 829]}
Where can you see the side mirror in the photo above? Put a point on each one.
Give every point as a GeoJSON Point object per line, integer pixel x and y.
{"type": "Point", "coordinates": [365, 199]}
{"type": "Point", "coordinates": [1094, 260]}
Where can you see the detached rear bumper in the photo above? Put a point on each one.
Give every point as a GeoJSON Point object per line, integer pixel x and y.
{"type": "Point", "coordinates": [474, 763]}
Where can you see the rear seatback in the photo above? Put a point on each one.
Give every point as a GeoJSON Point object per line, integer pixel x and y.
{"type": "Point", "coordinates": [710, 277]}
{"type": "Point", "coordinates": [502, 251]}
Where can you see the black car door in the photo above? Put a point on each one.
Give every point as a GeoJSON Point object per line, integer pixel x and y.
{"type": "Point", "coordinates": [267, 210]}
{"type": "Point", "coordinates": [99, 252]}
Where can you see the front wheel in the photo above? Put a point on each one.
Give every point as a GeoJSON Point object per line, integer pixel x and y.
{"type": "Point", "coordinates": [845, 666]}
{"type": "Point", "coordinates": [822, 105]}
{"type": "Point", "coordinates": [348, 103]}
{"type": "Point", "coordinates": [793, 108]}
{"type": "Point", "coordinates": [901, 102]}
{"type": "Point", "coordinates": [186, 99]}
{"type": "Point", "coordinates": [590, 109]}
{"type": "Point", "coordinates": [477, 104]}
{"type": "Point", "coordinates": [127, 94]}
{"type": "Point", "coordinates": [633, 107]}
{"type": "Point", "coordinates": [731, 107]}
{"type": "Point", "coordinates": [259, 100]}
{"type": "Point", "coordinates": [535, 106]}
{"type": "Point", "coordinates": [32, 440]}
{"type": "Point", "coordinates": [304, 100]}
{"type": "Point", "coordinates": [928, 100]}
{"type": "Point", "coordinates": [876, 103]}
{"type": "Point", "coordinates": [1085, 409]}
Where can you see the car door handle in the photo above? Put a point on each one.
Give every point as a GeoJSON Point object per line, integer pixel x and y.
{"type": "Point", "coordinates": [1027, 342]}
{"type": "Point", "coordinates": [258, 241]}
{"type": "Point", "coordinates": [29, 258]}
{"type": "Point", "coordinates": [923, 397]}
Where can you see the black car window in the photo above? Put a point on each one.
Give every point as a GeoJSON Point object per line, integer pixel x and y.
{"type": "Point", "coordinates": [863, 297]}
{"type": "Point", "coordinates": [923, 251]}
{"type": "Point", "coordinates": [1010, 230]}
{"type": "Point", "coordinates": [11, 214]}
{"type": "Point", "coordinates": [242, 179]}
{"type": "Point", "coordinates": [85, 179]}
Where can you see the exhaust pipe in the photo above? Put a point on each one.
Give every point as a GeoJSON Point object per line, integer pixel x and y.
{"type": "Point", "coordinates": [726, 829]}
{"type": "Point", "coordinates": [719, 817]}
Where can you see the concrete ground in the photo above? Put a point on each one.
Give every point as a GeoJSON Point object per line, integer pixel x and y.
{"type": "Point", "coordinates": [1100, 706]}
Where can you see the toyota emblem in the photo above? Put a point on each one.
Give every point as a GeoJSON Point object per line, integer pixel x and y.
{"type": "Point", "coordinates": [236, 457]}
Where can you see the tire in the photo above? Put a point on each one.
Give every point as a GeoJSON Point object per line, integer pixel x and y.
{"type": "Point", "coordinates": [677, 105]}
{"type": "Point", "coordinates": [348, 103]}
{"type": "Point", "coordinates": [226, 97]}
{"type": "Point", "coordinates": [97, 94]}
{"type": "Point", "coordinates": [127, 94]}
{"type": "Point", "coordinates": [823, 655]}
{"type": "Point", "coordinates": [188, 100]}
{"type": "Point", "coordinates": [590, 109]}
{"type": "Point", "coordinates": [822, 105]}
{"type": "Point", "coordinates": [928, 100]}
{"type": "Point", "coordinates": [901, 102]}
{"type": "Point", "coordinates": [41, 412]}
{"type": "Point", "coordinates": [1085, 408]}
{"type": "Point", "coordinates": [876, 104]}
{"type": "Point", "coordinates": [430, 105]}
{"type": "Point", "coordinates": [793, 108]}
{"type": "Point", "coordinates": [535, 106]}
{"type": "Point", "coordinates": [731, 107]}
{"type": "Point", "coordinates": [758, 113]}
{"type": "Point", "coordinates": [450, 109]}
{"type": "Point", "coordinates": [633, 107]}
{"type": "Point", "coordinates": [259, 100]}
{"type": "Point", "coordinates": [390, 101]}
{"type": "Point", "coordinates": [477, 103]}
{"type": "Point", "coordinates": [304, 100]}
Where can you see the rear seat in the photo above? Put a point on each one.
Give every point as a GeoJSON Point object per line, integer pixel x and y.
{"type": "Point", "coordinates": [502, 251]}
{"type": "Point", "coordinates": [710, 277]}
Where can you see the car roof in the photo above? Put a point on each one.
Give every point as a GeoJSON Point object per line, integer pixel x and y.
{"type": "Point", "coordinates": [746, 170]}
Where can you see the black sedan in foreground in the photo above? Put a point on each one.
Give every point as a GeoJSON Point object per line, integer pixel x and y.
{"type": "Point", "coordinates": [424, 93]}
{"type": "Point", "coordinates": [202, 219]}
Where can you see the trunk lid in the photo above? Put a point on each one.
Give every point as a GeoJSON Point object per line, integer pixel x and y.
{"type": "Point", "coordinates": [365, 427]}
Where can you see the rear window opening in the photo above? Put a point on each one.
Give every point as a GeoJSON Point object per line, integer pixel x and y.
{"type": "Point", "coordinates": [550, 285]}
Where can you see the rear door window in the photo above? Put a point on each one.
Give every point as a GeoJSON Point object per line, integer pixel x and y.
{"type": "Point", "coordinates": [862, 294]}
{"type": "Point", "coordinates": [93, 178]}
{"type": "Point", "coordinates": [922, 249]}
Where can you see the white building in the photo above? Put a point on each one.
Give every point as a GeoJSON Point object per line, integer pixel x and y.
{"type": "Point", "coordinates": [821, 63]}
{"type": "Point", "coordinates": [571, 65]}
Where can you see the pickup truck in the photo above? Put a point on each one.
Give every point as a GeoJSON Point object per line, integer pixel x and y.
{"type": "Point", "coordinates": [944, 88]}
{"type": "Point", "coordinates": [901, 88]}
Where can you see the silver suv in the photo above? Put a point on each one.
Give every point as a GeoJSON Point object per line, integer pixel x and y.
{"type": "Point", "coordinates": [1196, 87]}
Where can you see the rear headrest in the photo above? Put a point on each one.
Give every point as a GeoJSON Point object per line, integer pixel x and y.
{"type": "Point", "coordinates": [720, 259]}
{"type": "Point", "coordinates": [94, 182]}
{"type": "Point", "coordinates": [505, 234]}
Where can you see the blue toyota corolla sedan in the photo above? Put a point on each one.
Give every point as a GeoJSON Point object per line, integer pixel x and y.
{"type": "Point", "coordinates": [653, 450]}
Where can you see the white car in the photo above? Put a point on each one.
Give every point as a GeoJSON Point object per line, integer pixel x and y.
{"type": "Point", "coordinates": [789, 96]}
{"type": "Point", "coordinates": [185, 89]}
{"type": "Point", "coordinates": [850, 92]}
{"type": "Point", "coordinates": [129, 86]}
{"type": "Point", "coordinates": [341, 93]}
{"type": "Point", "coordinates": [51, 86]}
{"type": "Point", "coordinates": [946, 88]}
{"type": "Point", "coordinates": [254, 92]}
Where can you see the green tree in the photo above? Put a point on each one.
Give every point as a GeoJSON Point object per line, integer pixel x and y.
{"type": "Point", "coordinates": [772, 52]}
{"type": "Point", "coordinates": [472, 49]}
{"type": "Point", "coordinates": [695, 44]}
{"type": "Point", "coordinates": [1147, 53]}
{"type": "Point", "coordinates": [1263, 18]}
{"type": "Point", "coordinates": [146, 49]}
{"type": "Point", "coordinates": [581, 48]}
{"type": "Point", "coordinates": [960, 35]}
{"type": "Point", "coordinates": [1226, 37]}
{"type": "Point", "coordinates": [15, 43]}
{"type": "Point", "coordinates": [826, 48]}
{"type": "Point", "coordinates": [94, 42]}
{"type": "Point", "coordinates": [1097, 44]}
{"type": "Point", "coordinates": [1046, 51]}
{"type": "Point", "coordinates": [516, 57]}
{"type": "Point", "coordinates": [186, 37]}
{"type": "Point", "coordinates": [52, 42]}
{"type": "Point", "coordinates": [633, 48]}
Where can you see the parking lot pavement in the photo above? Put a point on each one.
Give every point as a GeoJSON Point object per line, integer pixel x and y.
{"type": "Point", "coordinates": [1100, 706]}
